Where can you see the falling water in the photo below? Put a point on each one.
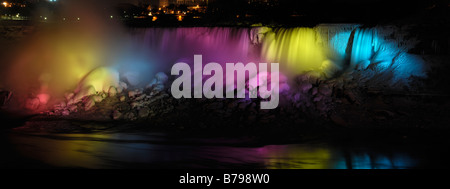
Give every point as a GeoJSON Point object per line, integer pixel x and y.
{"type": "Point", "coordinates": [60, 59]}
{"type": "Point", "coordinates": [372, 50]}
{"type": "Point", "coordinates": [298, 49]}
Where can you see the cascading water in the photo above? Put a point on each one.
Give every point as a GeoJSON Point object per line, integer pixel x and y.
{"type": "Point", "coordinates": [298, 50]}
{"type": "Point", "coordinates": [371, 50]}
{"type": "Point", "coordinates": [63, 60]}
{"type": "Point", "coordinates": [364, 45]}
{"type": "Point", "coordinates": [215, 44]}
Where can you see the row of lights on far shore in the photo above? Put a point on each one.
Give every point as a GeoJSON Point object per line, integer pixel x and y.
{"type": "Point", "coordinates": [6, 4]}
{"type": "Point", "coordinates": [154, 18]}
{"type": "Point", "coordinates": [45, 18]}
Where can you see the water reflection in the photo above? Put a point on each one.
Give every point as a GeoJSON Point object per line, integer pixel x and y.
{"type": "Point", "coordinates": [157, 151]}
{"type": "Point", "coordinates": [376, 161]}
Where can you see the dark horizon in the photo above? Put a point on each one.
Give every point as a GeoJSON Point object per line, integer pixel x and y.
{"type": "Point", "coordinates": [243, 12]}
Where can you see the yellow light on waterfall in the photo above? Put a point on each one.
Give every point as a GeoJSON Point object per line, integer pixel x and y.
{"type": "Point", "coordinates": [61, 60]}
{"type": "Point", "coordinates": [101, 79]}
{"type": "Point", "coordinates": [298, 50]}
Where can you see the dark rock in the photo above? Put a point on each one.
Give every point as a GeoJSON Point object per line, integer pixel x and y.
{"type": "Point", "coordinates": [215, 105]}
{"type": "Point", "coordinates": [251, 118]}
{"type": "Point", "coordinates": [140, 97]}
{"type": "Point", "coordinates": [350, 95]}
{"type": "Point", "coordinates": [317, 98]}
{"type": "Point", "coordinates": [314, 91]}
{"type": "Point", "coordinates": [296, 97]}
{"type": "Point", "coordinates": [267, 119]}
{"type": "Point", "coordinates": [123, 106]}
{"type": "Point", "coordinates": [325, 89]}
{"type": "Point", "coordinates": [351, 85]}
{"type": "Point", "coordinates": [159, 97]}
{"type": "Point", "coordinates": [305, 87]}
{"type": "Point", "coordinates": [130, 116]}
{"type": "Point", "coordinates": [322, 107]}
{"type": "Point", "coordinates": [243, 105]}
{"type": "Point", "coordinates": [233, 104]}
{"type": "Point", "coordinates": [384, 113]}
{"type": "Point", "coordinates": [65, 112]}
{"type": "Point", "coordinates": [338, 120]}
{"type": "Point", "coordinates": [303, 78]}
{"type": "Point", "coordinates": [136, 104]}
{"type": "Point", "coordinates": [143, 112]}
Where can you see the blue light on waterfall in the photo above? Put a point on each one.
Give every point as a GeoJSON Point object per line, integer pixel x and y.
{"type": "Point", "coordinates": [370, 51]}
{"type": "Point", "coordinates": [338, 44]}
{"type": "Point", "coordinates": [135, 68]}
{"type": "Point", "coordinates": [365, 43]}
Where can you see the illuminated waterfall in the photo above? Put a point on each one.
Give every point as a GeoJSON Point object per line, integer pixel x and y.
{"type": "Point", "coordinates": [54, 61]}
{"type": "Point", "coordinates": [298, 50]}
{"type": "Point", "coordinates": [371, 50]}
{"type": "Point", "coordinates": [365, 43]}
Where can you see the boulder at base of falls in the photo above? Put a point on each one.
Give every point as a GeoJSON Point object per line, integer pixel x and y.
{"type": "Point", "coordinates": [116, 115]}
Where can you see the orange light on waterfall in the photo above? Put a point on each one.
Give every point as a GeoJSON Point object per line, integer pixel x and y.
{"type": "Point", "coordinates": [154, 18]}
{"type": "Point", "coordinates": [180, 18]}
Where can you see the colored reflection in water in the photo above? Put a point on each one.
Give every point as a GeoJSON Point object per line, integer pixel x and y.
{"type": "Point", "coordinates": [299, 157]}
{"type": "Point", "coordinates": [157, 151]}
{"type": "Point", "coordinates": [370, 160]}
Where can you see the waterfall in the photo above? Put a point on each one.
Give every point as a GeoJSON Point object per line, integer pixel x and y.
{"type": "Point", "coordinates": [297, 49]}
{"type": "Point", "coordinates": [54, 61]}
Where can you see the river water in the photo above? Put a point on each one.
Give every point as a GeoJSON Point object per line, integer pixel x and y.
{"type": "Point", "coordinates": [159, 150]}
